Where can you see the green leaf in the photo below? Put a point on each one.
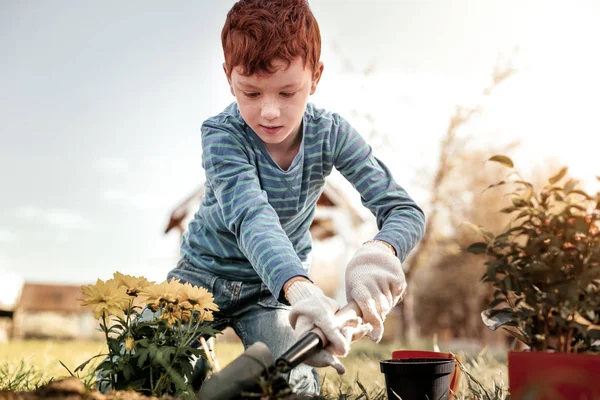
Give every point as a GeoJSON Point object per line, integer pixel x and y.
{"type": "Point", "coordinates": [495, 185]}
{"type": "Point", "coordinates": [491, 272]}
{"type": "Point", "coordinates": [114, 345]}
{"type": "Point", "coordinates": [537, 266]}
{"type": "Point", "coordinates": [82, 366]}
{"type": "Point", "coordinates": [523, 213]}
{"type": "Point", "coordinates": [504, 160]}
{"type": "Point", "coordinates": [570, 185]}
{"type": "Point", "coordinates": [136, 385]}
{"type": "Point", "coordinates": [479, 229]}
{"type": "Point", "coordinates": [207, 330]}
{"type": "Point", "coordinates": [518, 336]}
{"type": "Point", "coordinates": [152, 349]}
{"type": "Point", "coordinates": [494, 319]}
{"type": "Point", "coordinates": [518, 203]}
{"type": "Point", "coordinates": [128, 371]}
{"type": "Point", "coordinates": [194, 351]}
{"type": "Point", "coordinates": [478, 248]}
{"type": "Point", "coordinates": [558, 176]}
{"type": "Point", "coordinates": [527, 184]}
{"type": "Point", "coordinates": [582, 193]}
{"type": "Point", "coordinates": [187, 369]}
{"type": "Point", "coordinates": [540, 240]}
{"type": "Point", "coordinates": [578, 206]}
{"type": "Point", "coordinates": [65, 367]}
{"type": "Point", "coordinates": [143, 356]}
{"type": "Point", "coordinates": [528, 194]}
{"type": "Point", "coordinates": [496, 302]}
{"type": "Point", "coordinates": [165, 353]}
{"type": "Point", "coordinates": [559, 207]}
{"type": "Point", "coordinates": [485, 278]}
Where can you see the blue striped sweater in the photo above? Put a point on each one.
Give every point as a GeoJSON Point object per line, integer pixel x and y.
{"type": "Point", "coordinates": [253, 222]}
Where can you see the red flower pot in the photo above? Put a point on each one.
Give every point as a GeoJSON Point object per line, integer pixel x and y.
{"type": "Point", "coordinates": [553, 376]}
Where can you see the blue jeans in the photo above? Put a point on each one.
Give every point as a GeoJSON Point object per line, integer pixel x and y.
{"type": "Point", "coordinates": [255, 316]}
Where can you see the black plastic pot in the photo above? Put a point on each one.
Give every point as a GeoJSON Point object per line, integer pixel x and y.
{"type": "Point", "coordinates": [417, 378]}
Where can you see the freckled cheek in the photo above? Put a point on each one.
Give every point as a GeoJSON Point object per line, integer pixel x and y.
{"type": "Point", "coordinates": [284, 109]}
{"type": "Point", "coordinates": [251, 113]}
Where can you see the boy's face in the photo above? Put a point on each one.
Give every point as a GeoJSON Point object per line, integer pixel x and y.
{"type": "Point", "coordinates": [273, 105]}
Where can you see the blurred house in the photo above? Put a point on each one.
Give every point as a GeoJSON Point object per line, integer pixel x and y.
{"type": "Point", "coordinates": [11, 285]}
{"type": "Point", "coordinates": [53, 311]}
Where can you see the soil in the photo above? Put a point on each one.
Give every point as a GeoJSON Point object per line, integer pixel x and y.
{"type": "Point", "coordinates": [72, 389]}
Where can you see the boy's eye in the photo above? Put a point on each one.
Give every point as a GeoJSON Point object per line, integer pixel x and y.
{"type": "Point", "coordinates": [251, 95]}
{"type": "Point", "coordinates": [287, 94]}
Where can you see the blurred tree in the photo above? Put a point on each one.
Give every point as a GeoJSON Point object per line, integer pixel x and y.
{"type": "Point", "coordinates": [453, 190]}
{"type": "Point", "coordinates": [448, 294]}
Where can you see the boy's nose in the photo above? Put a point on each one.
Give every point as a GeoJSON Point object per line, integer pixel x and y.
{"type": "Point", "coordinates": [270, 111]}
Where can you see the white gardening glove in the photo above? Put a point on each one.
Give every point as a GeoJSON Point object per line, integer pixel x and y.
{"type": "Point", "coordinates": [310, 308]}
{"type": "Point", "coordinates": [375, 281]}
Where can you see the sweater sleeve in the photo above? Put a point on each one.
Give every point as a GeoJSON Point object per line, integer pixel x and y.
{"type": "Point", "coordinates": [400, 221]}
{"type": "Point", "coordinates": [245, 207]}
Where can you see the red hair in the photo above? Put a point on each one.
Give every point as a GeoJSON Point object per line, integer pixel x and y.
{"type": "Point", "coordinates": [256, 32]}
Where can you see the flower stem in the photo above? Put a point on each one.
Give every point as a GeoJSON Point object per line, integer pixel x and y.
{"type": "Point", "coordinates": [110, 355]}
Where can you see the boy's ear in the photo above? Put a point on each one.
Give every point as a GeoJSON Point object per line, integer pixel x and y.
{"type": "Point", "coordinates": [316, 77]}
{"type": "Point", "coordinates": [228, 79]}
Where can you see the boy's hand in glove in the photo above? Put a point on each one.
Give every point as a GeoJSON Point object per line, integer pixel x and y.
{"type": "Point", "coordinates": [310, 308]}
{"type": "Point", "coordinates": [375, 281]}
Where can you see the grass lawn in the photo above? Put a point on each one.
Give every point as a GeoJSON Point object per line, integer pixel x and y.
{"type": "Point", "coordinates": [39, 361]}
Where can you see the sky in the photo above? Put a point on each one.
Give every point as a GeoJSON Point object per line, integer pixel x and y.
{"type": "Point", "coordinates": [101, 105]}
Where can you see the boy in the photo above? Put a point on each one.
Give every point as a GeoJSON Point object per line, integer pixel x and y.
{"type": "Point", "coordinates": [266, 158]}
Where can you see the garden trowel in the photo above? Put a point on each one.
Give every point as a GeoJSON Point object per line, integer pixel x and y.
{"type": "Point", "coordinates": [256, 364]}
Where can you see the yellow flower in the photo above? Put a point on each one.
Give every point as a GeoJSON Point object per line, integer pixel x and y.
{"type": "Point", "coordinates": [166, 291]}
{"type": "Point", "coordinates": [172, 313]}
{"type": "Point", "coordinates": [106, 298]}
{"type": "Point", "coordinates": [206, 315]}
{"type": "Point", "coordinates": [133, 284]}
{"type": "Point", "coordinates": [198, 299]}
{"type": "Point", "coordinates": [185, 316]}
{"type": "Point", "coordinates": [129, 343]}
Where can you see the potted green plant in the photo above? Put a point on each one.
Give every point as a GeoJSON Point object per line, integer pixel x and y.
{"type": "Point", "coordinates": [545, 271]}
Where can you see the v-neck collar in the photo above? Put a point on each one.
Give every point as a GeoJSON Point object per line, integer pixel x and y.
{"type": "Point", "coordinates": [263, 148]}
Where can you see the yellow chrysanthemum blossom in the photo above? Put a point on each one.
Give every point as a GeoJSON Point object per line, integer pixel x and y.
{"type": "Point", "coordinates": [165, 291]}
{"type": "Point", "coordinates": [133, 284]}
{"type": "Point", "coordinates": [106, 298]}
{"type": "Point", "coordinates": [129, 343]}
{"type": "Point", "coordinates": [185, 316]}
{"type": "Point", "coordinates": [206, 315]}
{"type": "Point", "coordinates": [198, 299]}
{"type": "Point", "coordinates": [172, 313]}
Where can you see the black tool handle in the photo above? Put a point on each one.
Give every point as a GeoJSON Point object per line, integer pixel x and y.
{"type": "Point", "coordinates": [299, 352]}
{"type": "Point", "coordinates": [312, 342]}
